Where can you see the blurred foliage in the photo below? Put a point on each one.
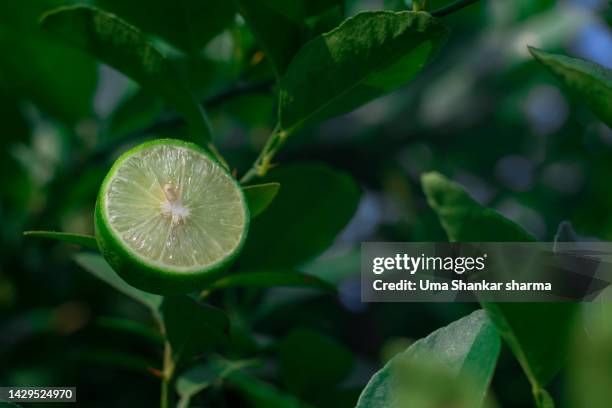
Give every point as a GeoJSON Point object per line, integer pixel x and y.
{"type": "Point", "coordinates": [483, 112]}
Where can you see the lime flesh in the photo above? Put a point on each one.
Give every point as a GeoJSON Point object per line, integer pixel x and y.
{"type": "Point", "coordinates": [168, 214]}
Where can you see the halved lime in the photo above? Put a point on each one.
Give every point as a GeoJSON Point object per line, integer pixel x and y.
{"type": "Point", "coordinates": [168, 215]}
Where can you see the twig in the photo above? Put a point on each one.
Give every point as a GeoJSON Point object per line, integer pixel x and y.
{"type": "Point", "coordinates": [212, 102]}
{"type": "Point", "coordinates": [263, 162]}
{"type": "Point", "coordinates": [451, 8]}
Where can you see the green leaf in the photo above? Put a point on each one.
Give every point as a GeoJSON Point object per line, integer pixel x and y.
{"type": "Point", "coordinates": [260, 394]}
{"type": "Point", "coordinates": [276, 27]}
{"type": "Point", "coordinates": [365, 57]}
{"type": "Point", "coordinates": [313, 8]}
{"type": "Point", "coordinates": [319, 21]}
{"type": "Point", "coordinates": [125, 48]}
{"type": "Point", "coordinates": [281, 27]}
{"type": "Point", "coordinates": [336, 269]}
{"type": "Point", "coordinates": [202, 376]}
{"type": "Point", "coordinates": [298, 10]}
{"type": "Point", "coordinates": [115, 358]}
{"type": "Point", "coordinates": [59, 80]}
{"type": "Point", "coordinates": [590, 369]}
{"type": "Point", "coordinates": [589, 80]}
{"type": "Point", "coordinates": [191, 327]}
{"type": "Point", "coordinates": [311, 363]}
{"type": "Point", "coordinates": [97, 266]}
{"type": "Point", "coordinates": [65, 91]}
{"type": "Point", "coordinates": [314, 205]}
{"type": "Point", "coordinates": [463, 219]}
{"type": "Point", "coordinates": [131, 327]}
{"type": "Point", "coordinates": [467, 349]}
{"type": "Point", "coordinates": [269, 279]}
{"type": "Point", "coordinates": [87, 241]}
{"type": "Point", "coordinates": [187, 24]}
{"type": "Point", "coordinates": [260, 196]}
{"type": "Point", "coordinates": [537, 333]}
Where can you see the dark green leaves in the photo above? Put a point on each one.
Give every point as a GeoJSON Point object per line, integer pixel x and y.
{"type": "Point", "coordinates": [192, 328]}
{"type": "Point", "coordinates": [466, 349]}
{"type": "Point", "coordinates": [114, 359]}
{"type": "Point", "coordinates": [281, 26]}
{"type": "Point", "coordinates": [313, 206]}
{"type": "Point", "coordinates": [263, 280]}
{"type": "Point", "coordinates": [590, 81]}
{"type": "Point", "coordinates": [365, 57]}
{"type": "Point", "coordinates": [87, 241]}
{"type": "Point", "coordinates": [131, 327]}
{"type": "Point", "coordinates": [98, 267]}
{"type": "Point", "coordinates": [311, 363]}
{"type": "Point", "coordinates": [203, 376]}
{"type": "Point", "coordinates": [123, 47]}
{"type": "Point", "coordinates": [60, 80]}
{"type": "Point", "coordinates": [537, 333]}
{"type": "Point", "coordinates": [64, 91]}
{"type": "Point", "coordinates": [276, 31]}
{"type": "Point", "coordinates": [260, 394]}
{"type": "Point", "coordinates": [259, 196]}
{"type": "Point", "coordinates": [188, 24]}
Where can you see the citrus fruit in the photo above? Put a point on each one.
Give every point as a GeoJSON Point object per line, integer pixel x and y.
{"type": "Point", "coordinates": [168, 215]}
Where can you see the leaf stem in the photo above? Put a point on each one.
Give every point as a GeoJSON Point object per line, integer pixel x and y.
{"type": "Point", "coordinates": [264, 161]}
{"type": "Point", "coordinates": [167, 374]}
{"type": "Point", "coordinates": [451, 8]}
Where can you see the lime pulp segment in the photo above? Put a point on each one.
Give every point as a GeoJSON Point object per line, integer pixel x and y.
{"type": "Point", "coordinates": [174, 208]}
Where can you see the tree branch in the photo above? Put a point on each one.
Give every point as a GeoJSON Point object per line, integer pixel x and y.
{"type": "Point", "coordinates": [213, 102]}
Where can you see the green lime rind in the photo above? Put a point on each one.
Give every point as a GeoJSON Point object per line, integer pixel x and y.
{"type": "Point", "coordinates": [134, 269]}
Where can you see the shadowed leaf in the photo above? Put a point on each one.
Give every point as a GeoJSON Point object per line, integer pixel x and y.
{"type": "Point", "coordinates": [87, 241]}
{"type": "Point", "coordinates": [126, 49]}
{"type": "Point", "coordinates": [97, 266]}
{"type": "Point", "coordinates": [200, 377]}
{"type": "Point", "coordinates": [191, 327]}
{"type": "Point", "coordinates": [270, 279]}
{"type": "Point", "coordinates": [311, 363]}
{"type": "Point", "coordinates": [313, 206]}
{"type": "Point", "coordinates": [260, 196]}
{"type": "Point", "coordinates": [260, 394]}
{"type": "Point", "coordinates": [188, 24]}
{"type": "Point", "coordinates": [131, 327]}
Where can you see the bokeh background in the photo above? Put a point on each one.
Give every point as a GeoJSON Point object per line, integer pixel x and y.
{"type": "Point", "coordinates": [484, 113]}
